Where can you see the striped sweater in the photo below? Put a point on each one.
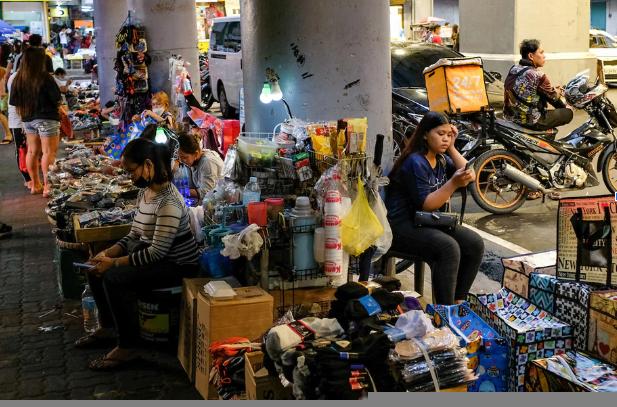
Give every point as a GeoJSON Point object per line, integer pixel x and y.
{"type": "Point", "coordinates": [164, 224]}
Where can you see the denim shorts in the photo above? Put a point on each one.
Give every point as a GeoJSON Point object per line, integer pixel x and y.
{"type": "Point", "coordinates": [43, 127]}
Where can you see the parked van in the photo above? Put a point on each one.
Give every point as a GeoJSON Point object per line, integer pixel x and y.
{"type": "Point", "coordinates": [225, 58]}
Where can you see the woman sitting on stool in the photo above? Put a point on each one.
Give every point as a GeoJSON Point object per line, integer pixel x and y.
{"type": "Point", "coordinates": [158, 252]}
{"type": "Point", "coordinates": [423, 179]}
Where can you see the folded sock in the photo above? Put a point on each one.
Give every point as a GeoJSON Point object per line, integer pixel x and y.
{"type": "Point", "coordinates": [388, 282]}
{"type": "Point", "coordinates": [350, 291]}
{"type": "Point", "coordinates": [387, 300]}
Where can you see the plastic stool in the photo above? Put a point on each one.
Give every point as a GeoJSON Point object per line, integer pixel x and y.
{"type": "Point", "coordinates": [393, 268]}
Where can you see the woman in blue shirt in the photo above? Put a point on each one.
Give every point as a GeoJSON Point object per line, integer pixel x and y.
{"type": "Point", "coordinates": [425, 176]}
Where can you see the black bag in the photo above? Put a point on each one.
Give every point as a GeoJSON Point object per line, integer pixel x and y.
{"type": "Point", "coordinates": [594, 239]}
{"type": "Point", "coordinates": [439, 220]}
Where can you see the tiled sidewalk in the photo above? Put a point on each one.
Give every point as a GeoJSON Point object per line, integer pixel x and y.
{"type": "Point", "coordinates": [45, 365]}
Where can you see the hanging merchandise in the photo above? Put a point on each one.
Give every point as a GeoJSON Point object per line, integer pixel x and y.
{"type": "Point", "coordinates": [131, 66]}
{"type": "Point", "coordinates": [361, 227]}
{"type": "Point", "coordinates": [181, 85]}
{"type": "Point", "coordinates": [384, 242]}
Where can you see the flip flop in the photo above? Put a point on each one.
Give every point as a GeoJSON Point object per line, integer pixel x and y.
{"type": "Point", "coordinates": [93, 341]}
{"type": "Point", "coordinates": [106, 364]}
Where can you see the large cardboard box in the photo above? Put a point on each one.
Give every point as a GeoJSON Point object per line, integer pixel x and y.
{"type": "Point", "coordinates": [188, 322]}
{"type": "Point", "coordinates": [574, 372]}
{"type": "Point", "coordinates": [567, 300]}
{"type": "Point", "coordinates": [259, 384]}
{"type": "Point", "coordinates": [532, 332]}
{"type": "Point", "coordinates": [456, 85]}
{"type": "Point", "coordinates": [603, 325]}
{"type": "Point", "coordinates": [518, 269]}
{"type": "Point", "coordinates": [247, 315]}
{"type": "Point", "coordinates": [487, 350]}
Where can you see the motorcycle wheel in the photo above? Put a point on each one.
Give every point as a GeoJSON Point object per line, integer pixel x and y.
{"type": "Point", "coordinates": [207, 98]}
{"type": "Point", "coordinates": [486, 187]}
{"type": "Point", "coordinates": [609, 172]}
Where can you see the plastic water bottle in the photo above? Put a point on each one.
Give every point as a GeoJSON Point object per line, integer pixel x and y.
{"type": "Point", "coordinates": [252, 192]}
{"type": "Point", "coordinates": [186, 191]}
{"type": "Point", "coordinates": [90, 311]}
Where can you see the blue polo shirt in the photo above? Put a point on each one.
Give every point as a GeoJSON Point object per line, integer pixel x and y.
{"type": "Point", "coordinates": [413, 182]}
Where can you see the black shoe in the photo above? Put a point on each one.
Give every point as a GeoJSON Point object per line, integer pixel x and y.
{"type": "Point", "coordinates": [5, 230]}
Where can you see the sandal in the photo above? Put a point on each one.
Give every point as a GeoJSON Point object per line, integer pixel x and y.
{"type": "Point", "coordinates": [94, 341]}
{"type": "Point", "coordinates": [532, 195]}
{"type": "Point", "coordinates": [104, 363]}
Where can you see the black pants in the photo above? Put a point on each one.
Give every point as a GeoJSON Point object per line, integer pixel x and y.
{"type": "Point", "coordinates": [453, 256]}
{"type": "Point", "coordinates": [554, 118]}
{"type": "Point", "coordinates": [20, 141]}
{"type": "Point", "coordinates": [116, 294]}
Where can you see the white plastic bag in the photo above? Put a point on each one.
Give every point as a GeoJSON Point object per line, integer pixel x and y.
{"type": "Point", "coordinates": [384, 242]}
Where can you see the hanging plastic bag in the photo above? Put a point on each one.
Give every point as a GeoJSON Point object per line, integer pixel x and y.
{"type": "Point", "coordinates": [232, 167]}
{"type": "Point", "coordinates": [361, 227]}
{"type": "Point", "coordinates": [384, 242]}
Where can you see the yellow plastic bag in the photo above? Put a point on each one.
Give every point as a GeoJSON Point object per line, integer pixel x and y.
{"type": "Point", "coordinates": [361, 227]}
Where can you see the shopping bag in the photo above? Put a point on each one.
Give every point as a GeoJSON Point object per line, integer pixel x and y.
{"type": "Point", "coordinates": [593, 240]}
{"type": "Point", "coordinates": [384, 242]}
{"type": "Point", "coordinates": [65, 124]}
{"type": "Point", "coordinates": [22, 153]}
{"type": "Point", "coordinates": [585, 241]}
{"type": "Point", "coordinates": [361, 227]}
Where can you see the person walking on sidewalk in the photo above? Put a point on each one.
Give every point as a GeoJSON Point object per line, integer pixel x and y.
{"type": "Point", "coordinates": [21, 147]}
{"type": "Point", "coordinates": [37, 98]}
{"type": "Point", "coordinates": [159, 251]}
{"type": "Point", "coordinates": [425, 176]}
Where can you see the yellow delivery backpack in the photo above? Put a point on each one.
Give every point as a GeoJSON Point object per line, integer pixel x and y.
{"type": "Point", "coordinates": [456, 85]}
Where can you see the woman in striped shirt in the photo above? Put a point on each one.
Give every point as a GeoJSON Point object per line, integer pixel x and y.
{"type": "Point", "coordinates": [158, 252]}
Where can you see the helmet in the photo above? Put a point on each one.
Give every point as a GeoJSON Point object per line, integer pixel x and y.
{"type": "Point", "coordinates": [576, 90]}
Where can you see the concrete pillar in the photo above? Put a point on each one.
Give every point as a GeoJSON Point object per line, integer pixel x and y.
{"type": "Point", "coordinates": [407, 18]}
{"type": "Point", "coordinates": [171, 28]}
{"type": "Point", "coordinates": [332, 61]}
{"type": "Point", "coordinates": [421, 9]}
{"type": "Point", "coordinates": [108, 18]}
{"type": "Point", "coordinates": [564, 36]}
{"type": "Point", "coordinates": [446, 9]}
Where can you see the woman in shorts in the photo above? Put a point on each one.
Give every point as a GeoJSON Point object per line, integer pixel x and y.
{"type": "Point", "coordinates": [37, 98]}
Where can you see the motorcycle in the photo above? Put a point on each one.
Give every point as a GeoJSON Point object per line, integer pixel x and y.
{"type": "Point", "coordinates": [207, 97]}
{"type": "Point", "coordinates": [511, 160]}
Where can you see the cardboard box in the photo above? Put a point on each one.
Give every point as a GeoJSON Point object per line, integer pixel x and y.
{"type": "Point", "coordinates": [532, 332]}
{"type": "Point", "coordinates": [582, 373]}
{"type": "Point", "coordinates": [99, 234]}
{"type": "Point", "coordinates": [188, 323]}
{"type": "Point", "coordinates": [247, 315]}
{"type": "Point", "coordinates": [603, 325]}
{"type": "Point", "coordinates": [567, 300]}
{"type": "Point", "coordinates": [259, 384]}
{"type": "Point", "coordinates": [456, 85]}
{"type": "Point", "coordinates": [518, 269]}
{"type": "Point", "coordinates": [487, 350]}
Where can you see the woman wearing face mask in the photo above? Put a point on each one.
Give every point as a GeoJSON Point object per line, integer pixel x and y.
{"type": "Point", "coordinates": [160, 110]}
{"type": "Point", "coordinates": [425, 176]}
{"type": "Point", "coordinates": [159, 251]}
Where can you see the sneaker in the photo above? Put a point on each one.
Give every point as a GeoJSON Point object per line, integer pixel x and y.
{"type": "Point", "coordinates": [5, 230]}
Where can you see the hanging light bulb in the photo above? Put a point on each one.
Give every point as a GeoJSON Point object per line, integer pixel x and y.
{"type": "Point", "coordinates": [277, 93]}
{"type": "Point", "coordinates": [266, 94]}
{"type": "Point", "coordinates": [160, 137]}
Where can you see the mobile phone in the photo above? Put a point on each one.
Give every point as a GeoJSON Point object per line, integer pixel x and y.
{"type": "Point", "coordinates": [83, 265]}
{"type": "Point", "coordinates": [470, 163]}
